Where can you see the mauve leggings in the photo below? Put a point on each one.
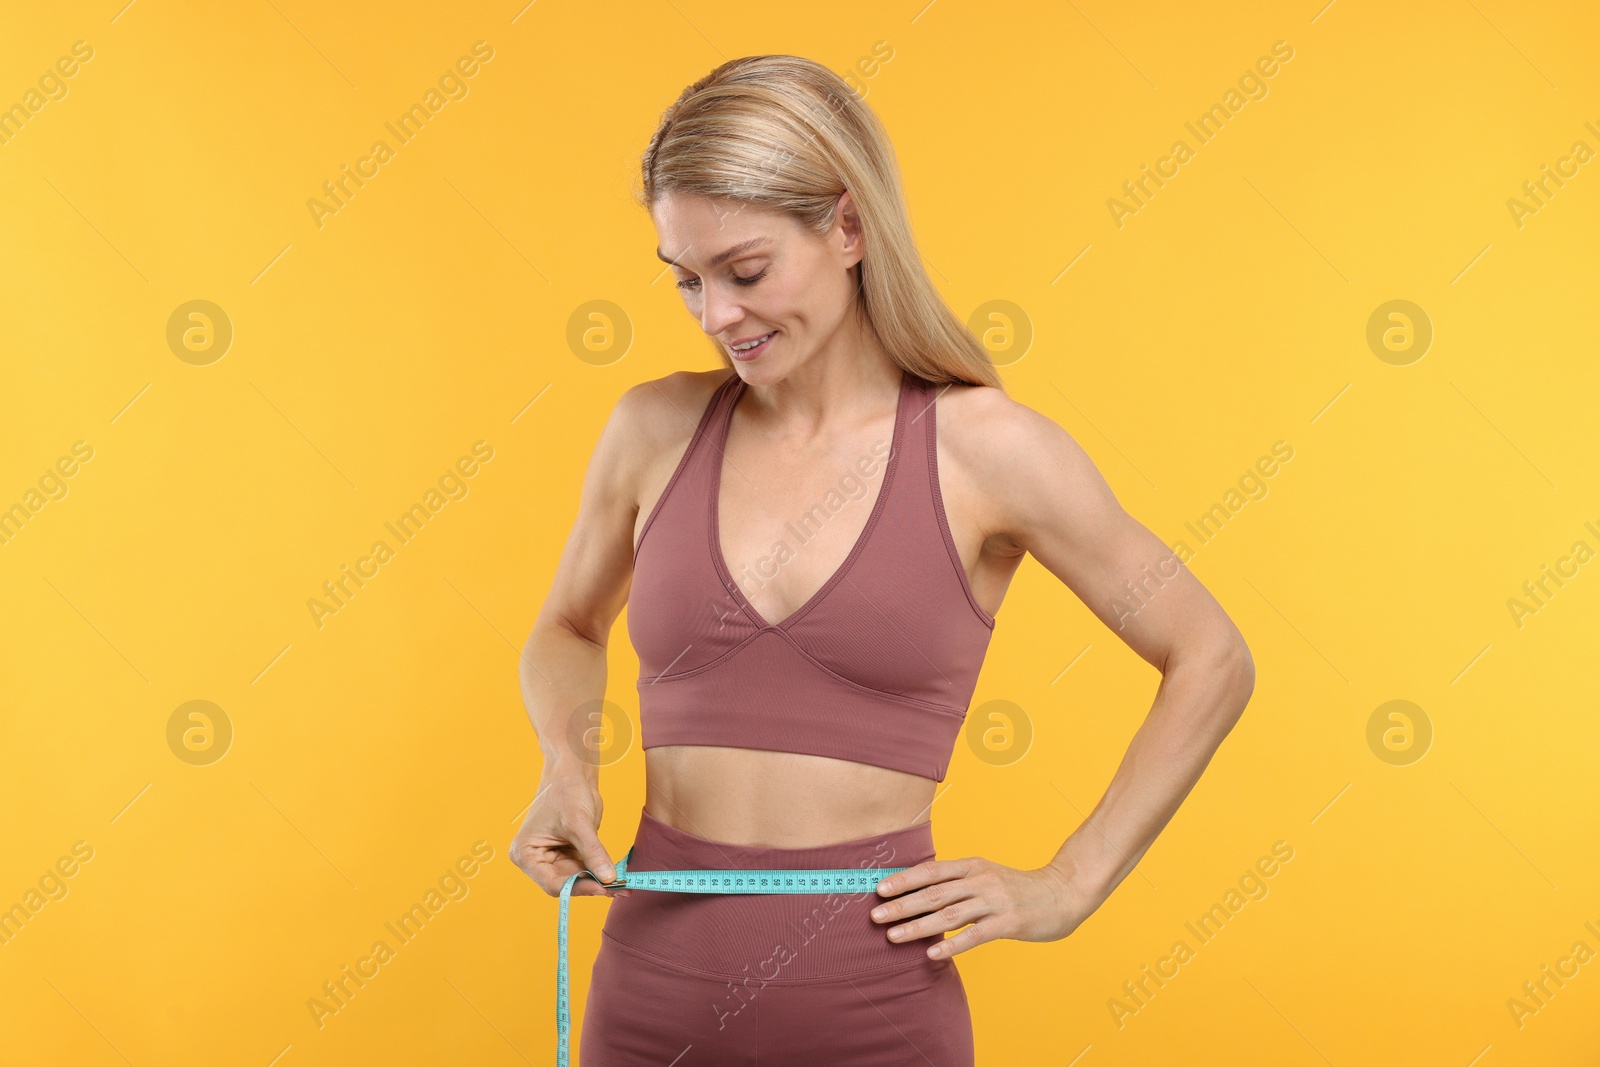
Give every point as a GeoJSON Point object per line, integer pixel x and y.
{"type": "Point", "coordinates": [708, 980]}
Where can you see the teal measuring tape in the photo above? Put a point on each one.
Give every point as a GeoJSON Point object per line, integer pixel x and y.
{"type": "Point", "coordinates": [834, 880]}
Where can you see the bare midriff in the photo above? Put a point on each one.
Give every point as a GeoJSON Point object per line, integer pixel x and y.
{"type": "Point", "coordinates": [747, 796]}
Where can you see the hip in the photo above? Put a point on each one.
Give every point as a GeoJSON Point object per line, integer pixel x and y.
{"type": "Point", "coordinates": [643, 1013]}
{"type": "Point", "coordinates": [781, 980]}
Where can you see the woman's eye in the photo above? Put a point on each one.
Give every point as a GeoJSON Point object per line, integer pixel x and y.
{"type": "Point", "coordinates": [690, 283]}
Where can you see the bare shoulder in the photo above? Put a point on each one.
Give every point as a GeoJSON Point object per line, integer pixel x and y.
{"type": "Point", "coordinates": [650, 424]}
{"type": "Point", "coordinates": [665, 409]}
{"type": "Point", "coordinates": [654, 420]}
{"type": "Point", "coordinates": [1020, 465]}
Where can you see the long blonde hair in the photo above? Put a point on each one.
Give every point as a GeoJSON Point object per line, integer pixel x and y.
{"type": "Point", "coordinates": [787, 134]}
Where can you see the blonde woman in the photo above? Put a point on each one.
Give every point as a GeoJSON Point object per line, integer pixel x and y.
{"type": "Point", "coordinates": [813, 542]}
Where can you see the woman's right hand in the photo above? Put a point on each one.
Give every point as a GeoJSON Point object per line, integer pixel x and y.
{"type": "Point", "coordinates": [560, 837]}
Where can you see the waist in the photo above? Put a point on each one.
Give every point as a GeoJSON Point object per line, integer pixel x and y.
{"type": "Point", "coordinates": [784, 799]}
{"type": "Point", "coordinates": [765, 938]}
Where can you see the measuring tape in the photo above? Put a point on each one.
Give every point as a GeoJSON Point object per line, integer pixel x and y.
{"type": "Point", "coordinates": [834, 880]}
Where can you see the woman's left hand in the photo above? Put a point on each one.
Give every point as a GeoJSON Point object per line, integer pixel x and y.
{"type": "Point", "coordinates": [997, 901]}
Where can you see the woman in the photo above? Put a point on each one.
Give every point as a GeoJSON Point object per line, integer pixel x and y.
{"type": "Point", "coordinates": [813, 541]}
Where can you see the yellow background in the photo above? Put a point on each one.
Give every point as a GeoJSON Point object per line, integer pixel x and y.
{"type": "Point", "coordinates": [433, 311]}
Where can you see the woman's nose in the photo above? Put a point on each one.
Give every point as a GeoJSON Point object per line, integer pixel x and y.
{"type": "Point", "coordinates": [715, 315]}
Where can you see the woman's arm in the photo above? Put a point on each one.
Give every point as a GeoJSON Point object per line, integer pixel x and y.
{"type": "Point", "coordinates": [563, 665]}
{"type": "Point", "coordinates": [1040, 493]}
{"type": "Point", "coordinates": [1049, 498]}
{"type": "Point", "coordinates": [563, 662]}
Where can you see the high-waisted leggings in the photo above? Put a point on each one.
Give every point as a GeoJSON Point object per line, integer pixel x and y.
{"type": "Point", "coordinates": [717, 980]}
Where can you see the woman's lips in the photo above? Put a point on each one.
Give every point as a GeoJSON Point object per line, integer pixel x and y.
{"type": "Point", "coordinates": [752, 353]}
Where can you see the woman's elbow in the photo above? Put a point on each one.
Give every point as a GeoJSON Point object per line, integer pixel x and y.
{"type": "Point", "coordinates": [1242, 675]}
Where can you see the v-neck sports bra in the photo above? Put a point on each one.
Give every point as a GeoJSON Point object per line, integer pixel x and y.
{"type": "Point", "coordinates": [878, 666]}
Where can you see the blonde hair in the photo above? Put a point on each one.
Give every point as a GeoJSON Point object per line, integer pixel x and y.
{"type": "Point", "coordinates": [786, 134]}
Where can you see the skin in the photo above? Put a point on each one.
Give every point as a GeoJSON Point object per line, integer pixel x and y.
{"type": "Point", "coordinates": [1013, 482]}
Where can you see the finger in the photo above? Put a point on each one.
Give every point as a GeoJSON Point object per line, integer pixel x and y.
{"type": "Point", "coordinates": [925, 900]}
{"type": "Point", "coordinates": [581, 887]}
{"type": "Point", "coordinates": [588, 887]}
{"type": "Point", "coordinates": [594, 854]}
{"type": "Point", "coordinates": [924, 874]}
{"type": "Point", "coordinates": [973, 936]}
{"type": "Point", "coordinates": [920, 875]}
{"type": "Point", "coordinates": [951, 917]}
{"type": "Point", "coordinates": [537, 863]}
{"type": "Point", "coordinates": [550, 867]}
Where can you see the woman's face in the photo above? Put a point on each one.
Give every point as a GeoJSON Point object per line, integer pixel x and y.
{"type": "Point", "coordinates": [745, 272]}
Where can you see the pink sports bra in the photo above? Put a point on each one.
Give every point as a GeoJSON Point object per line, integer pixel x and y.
{"type": "Point", "coordinates": [877, 667]}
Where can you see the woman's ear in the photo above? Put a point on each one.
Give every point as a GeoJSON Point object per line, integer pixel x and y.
{"type": "Point", "coordinates": [847, 223]}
